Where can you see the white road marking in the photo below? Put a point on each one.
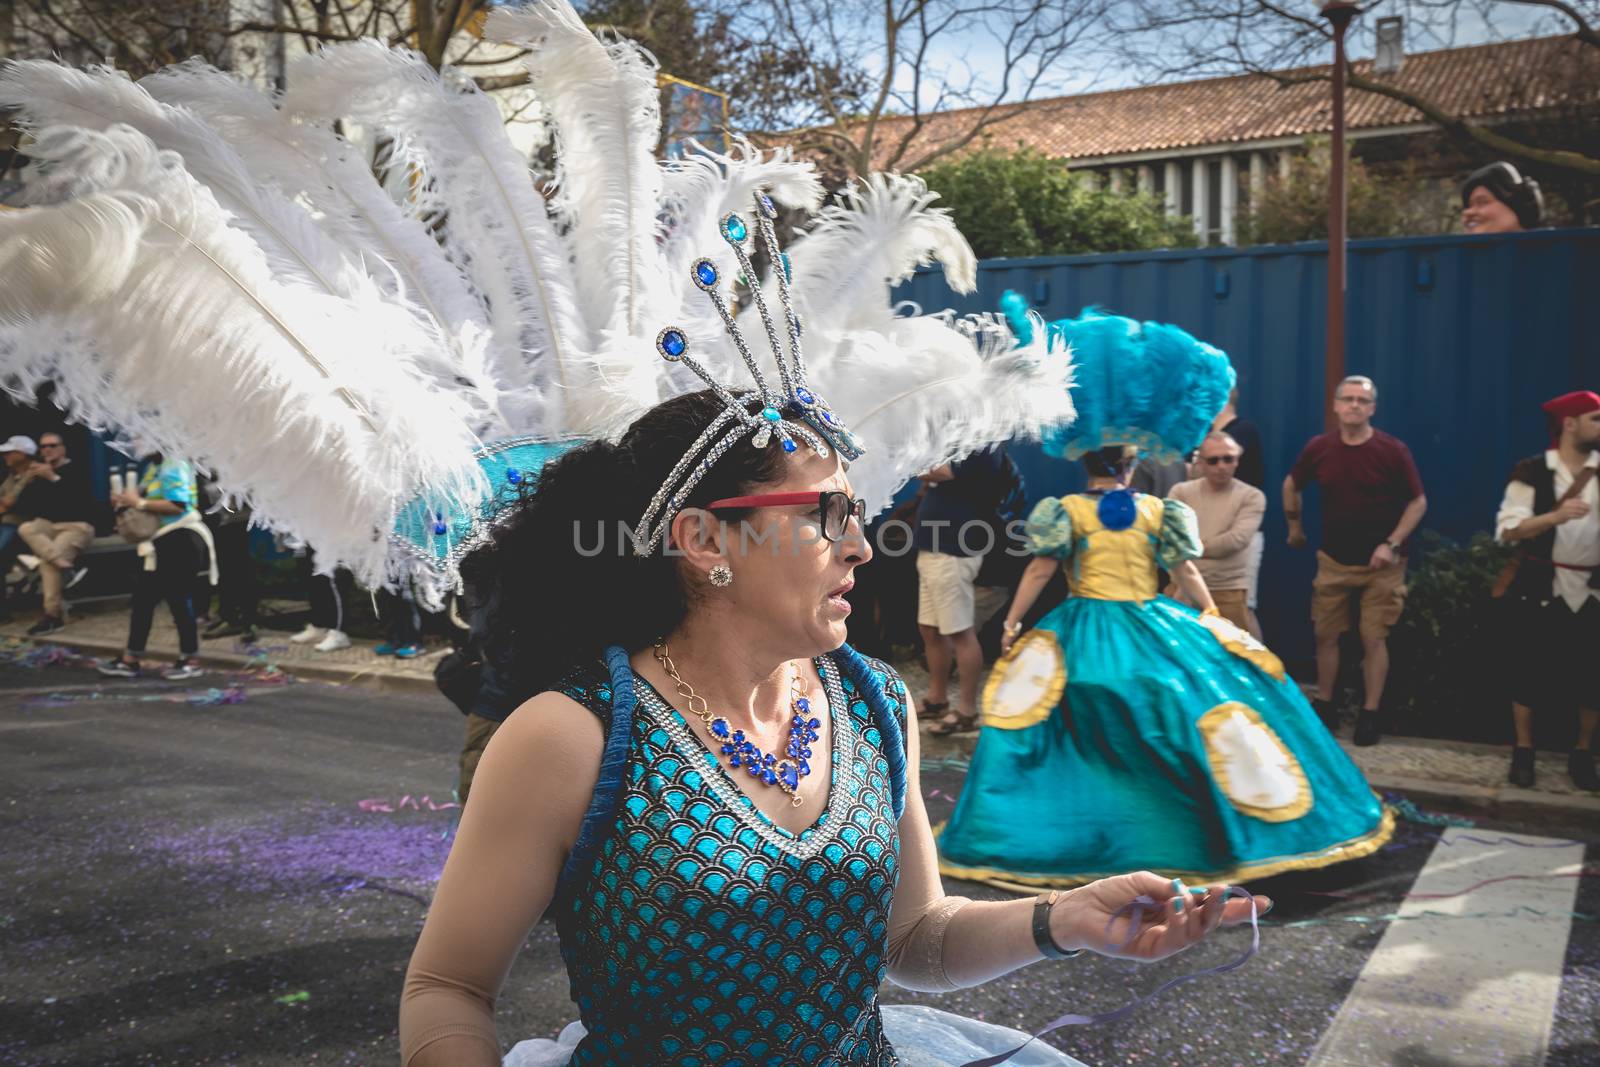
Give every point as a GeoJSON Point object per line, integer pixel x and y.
{"type": "Point", "coordinates": [1464, 991]}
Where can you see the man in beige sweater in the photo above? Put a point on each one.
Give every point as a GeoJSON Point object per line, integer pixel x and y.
{"type": "Point", "coordinates": [1229, 512]}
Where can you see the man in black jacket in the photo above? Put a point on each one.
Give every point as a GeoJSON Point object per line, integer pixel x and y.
{"type": "Point", "coordinates": [62, 504]}
{"type": "Point", "coordinates": [1551, 511]}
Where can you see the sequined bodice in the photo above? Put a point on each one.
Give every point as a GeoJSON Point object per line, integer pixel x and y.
{"type": "Point", "coordinates": [704, 934]}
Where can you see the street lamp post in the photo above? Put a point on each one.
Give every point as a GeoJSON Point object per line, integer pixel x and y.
{"type": "Point", "coordinates": [1339, 13]}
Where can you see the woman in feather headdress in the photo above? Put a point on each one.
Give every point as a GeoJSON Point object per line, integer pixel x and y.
{"type": "Point", "coordinates": [1132, 730]}
{"type": "Point", "coordinates": [715, 798]}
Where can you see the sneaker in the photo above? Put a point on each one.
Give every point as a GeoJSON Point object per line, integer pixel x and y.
{"type": "Point", "coordinates": [408, 652]}
{"type": "Point", "coordinates": [74, 576]}
{"type": "Point", "coordinates": [1580, 764]}
{"type": "Point", "coordinates": [385, 649]}
{"type": "Point", "coordinates": [333, 642]}
{"type": "Point", "coordinates": [121, 667]}
{"type": "Point", "coordinates": [310, 633]}
{"type": "Point", "coordinates": [183, 669]}
{"type": "Point", "coordinates": [1522, 767]}
{"type": "Point", "coordinates": [223, 628]}
{"type": "Point", "coordinates": [1367, 732]}
{"type": "Point", "coordinates": [49, 624]}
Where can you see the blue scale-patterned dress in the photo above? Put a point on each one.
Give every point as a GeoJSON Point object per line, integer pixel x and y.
{"type": "Point", "coordinates": [701, 934]}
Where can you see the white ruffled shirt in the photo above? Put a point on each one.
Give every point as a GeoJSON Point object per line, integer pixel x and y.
{"type": "Point", "coordinates": [1577, 542]}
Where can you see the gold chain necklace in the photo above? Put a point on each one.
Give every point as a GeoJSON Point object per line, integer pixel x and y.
{"type": "Point", "coordinates": [766, 768]}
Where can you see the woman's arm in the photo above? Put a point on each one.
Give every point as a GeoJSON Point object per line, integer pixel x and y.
{"type": "Point", "coordinates": [938, 942]}
{"type": "Point", "coordinates": [528, 800]}
{"type": "Point", "coordinates": [1193, 587]}
{"type": "Point", "coordinates": [1034, 579]}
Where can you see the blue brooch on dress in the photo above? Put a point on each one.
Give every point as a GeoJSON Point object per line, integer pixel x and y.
{"type": "Point", "coordinates": [819, 427]}
{"type": "Point", "coordinates": [764, 766]}
{"type": "Point", "coordinates": [1117, 509]}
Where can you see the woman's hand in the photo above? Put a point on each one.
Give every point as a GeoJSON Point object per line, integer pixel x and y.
{"type": "Point", "coordinates": [1009, 632]}
{"type": "Point", "coordinates": [1080, 919]}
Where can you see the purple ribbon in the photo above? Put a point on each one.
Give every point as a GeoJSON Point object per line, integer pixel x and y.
{"type": "Point", "coordinates": [1135, 909]}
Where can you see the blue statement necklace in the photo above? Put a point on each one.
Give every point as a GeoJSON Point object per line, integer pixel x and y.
{"type": "Point", "coordinates": [765, 767]}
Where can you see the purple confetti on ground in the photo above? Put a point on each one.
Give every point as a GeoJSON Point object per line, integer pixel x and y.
{"type": "Point", "coordinates": [410, 851]}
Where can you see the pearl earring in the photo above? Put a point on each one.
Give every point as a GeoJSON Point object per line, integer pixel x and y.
{"type": "Point", "coordinates": [720, 576]}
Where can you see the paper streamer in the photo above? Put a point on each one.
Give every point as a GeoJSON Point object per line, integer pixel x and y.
{"type": "Point", "coordinates": [1135, 911]}
{"type": "Point", "coordinates": [380, 804]}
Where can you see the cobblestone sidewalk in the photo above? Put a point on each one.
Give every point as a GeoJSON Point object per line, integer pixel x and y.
{"type": "Point", "coordinates": [104, 631]}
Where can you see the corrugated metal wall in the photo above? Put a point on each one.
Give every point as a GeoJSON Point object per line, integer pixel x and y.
{"type": "Point", "coordinates": [1465, 336]}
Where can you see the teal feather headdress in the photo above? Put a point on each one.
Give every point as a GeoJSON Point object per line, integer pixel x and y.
{"type": "Point", "coordinates": [1146, 384]}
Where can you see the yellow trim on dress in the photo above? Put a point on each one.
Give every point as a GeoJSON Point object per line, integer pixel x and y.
{"type": "Point", "coordinates": [1048, 686]}
{"type": "Point", "coordinates": [1353, 849]}
{"type": "Point", "coordinates": [1210, 725]}
{"type": "Point", "coordinates": [1242, 643]}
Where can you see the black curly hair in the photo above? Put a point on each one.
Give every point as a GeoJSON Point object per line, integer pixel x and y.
{"type": "Point", "coordinates": [555, 602]}
{"type": "Point", "coordinates": [1113, 461]}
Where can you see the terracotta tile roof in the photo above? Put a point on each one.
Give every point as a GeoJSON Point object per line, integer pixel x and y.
{"type": "Point", "coordinates": [1478, 82]}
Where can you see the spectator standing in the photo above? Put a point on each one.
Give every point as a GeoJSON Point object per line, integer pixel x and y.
{"type": "Point", "coordinates": [179, 549]}
{"type": "Point", "coordinates": [1157, 479]}
{"type": "Point", "coordinates": [1372, 501]}
{"type": "Point", "coordinates": [1551, 510]}
{"type": "Point", "coordinates": [238, 592]}
{"type": "Point", "coordinates": [1252, 471]}
{"type": "Point", "coordinates": [1498, 199]}
{"type": "Point", "coordinates": [402, 624]}
{"type": "Point", "coordinates": [951, 536]}
{"type": "Point", "coordinates": [62, 505]}
{"type": "Point", "coordinates": [329, 594]}
{"type": "Point", "coordinates": [1229, 513]}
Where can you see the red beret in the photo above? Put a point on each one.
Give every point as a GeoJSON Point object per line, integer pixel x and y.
{"type": "Point", "coordinates": [1572, 405]}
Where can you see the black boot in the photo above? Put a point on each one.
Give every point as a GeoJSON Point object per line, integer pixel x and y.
{"type": "Point", "coordinates": [1522, 767]}
{"type": "Point", "coordinates": [1367, 732]}
{"type": "Point", "coordinates": [1328, 712]}
{"type": "Point", "coordinates": [1580, 764]}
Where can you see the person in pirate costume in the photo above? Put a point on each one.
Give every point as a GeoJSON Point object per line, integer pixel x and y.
{"type": "Point", "coordinates": [1127, 730]}
{"type": "Point", "coordinates": [1551, 512]}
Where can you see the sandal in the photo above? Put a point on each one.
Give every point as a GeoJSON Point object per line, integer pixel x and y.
{"type": "Point", "coordinates": [954, 722]}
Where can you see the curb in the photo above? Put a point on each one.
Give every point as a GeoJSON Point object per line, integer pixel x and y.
{"type": "Point", "coordinates": [1506, 803]}
{"type": "Point", "coordinates": [372, 676]}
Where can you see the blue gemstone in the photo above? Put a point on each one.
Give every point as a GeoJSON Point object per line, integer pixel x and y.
{"type": "Point", "coordinates": [754, 769]}
{"type": "Point", "coordinates": [734, 229]}
{"type": "Point", "coordinates": [513, 476]}
{"type": "Point", "coordinates": [790, 775]}
{"type": "Point", "coordinates": [769, 778]}
{"type": "Point", "coordinates": [440, 529]}
{"type": "Point", "coordinates": [728, 750]}
{"type": "Point", "coordinates": [738, 737]}
{"type": "Point", "coordinates": [719, 728]}
{"type": "Point", "coordinates": [733, 760]}
{"type": "Point", "coordinates": [805, 753]}
{"type": "Point", "coordinates": [789, 445]}
{"type": "Point", "coordinates": [814, 723]}
{"type": "Point", "coordinates": [828, 415]}
{"type": "Point", "coordinates": [672, 344]}
{"type": "Point", "coordinates": [705, 273]}
{"type": "Point", "coordinates": [802, 704]}
{"type": "Point", "coordinates": [768, 208]}
{"type": "Point", "coordinates": [769, 759]}
{"type": "Point", "coordinates": [771, 414]}
{"type": "Point", "coordinates": [788, 268]}
{"type": "Point", "coordinates": [805, 768]}
{"type": "Point", "coordinates": [805, 396]}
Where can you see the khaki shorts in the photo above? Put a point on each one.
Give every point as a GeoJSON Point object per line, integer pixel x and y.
{"type": "Point", "coordinates": [947, 591]}
{"type": "Point", "coordinates": [1383, 597]}
{"type": "Point", "coordinates": [479, 731]}
{"type": "Point", "coordinates": [1231, 604]}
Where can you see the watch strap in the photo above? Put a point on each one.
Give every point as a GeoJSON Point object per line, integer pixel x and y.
{"type": "Point", "coordinates": [1041, 928]}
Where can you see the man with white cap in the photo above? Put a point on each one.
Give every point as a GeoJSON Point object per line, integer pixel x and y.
{"type": "Point", "coordinates": [17, 453]}
{"type": "Point", "coordinates": [1551, 512]}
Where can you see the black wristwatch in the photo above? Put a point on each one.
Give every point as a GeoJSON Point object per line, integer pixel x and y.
{"type": "Point", "coordinates": [1041, 928]}
{"type": "Point", "coordinates": [1394, 546]}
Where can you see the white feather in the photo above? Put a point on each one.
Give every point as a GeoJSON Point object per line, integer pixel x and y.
{"type": "Point", "coordinates": [467, 173]}
{"type": "Point", "coordinates": [313, 165]}
{"type": "Point", "coordinates": [931, 389]}
{"type": "Point", "coordinates": [606, 111]}
{"type": "Point", "coordinates": [189, 342]}
{"type": "Point", "coordinates": [881, 231]}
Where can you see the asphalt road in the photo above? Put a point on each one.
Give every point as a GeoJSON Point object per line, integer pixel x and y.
{"type": "Point", "coordinates": [189, 884]}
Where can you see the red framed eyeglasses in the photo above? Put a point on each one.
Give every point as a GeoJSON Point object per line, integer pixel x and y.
{"type": "Point", "coordinates": [835, 508]}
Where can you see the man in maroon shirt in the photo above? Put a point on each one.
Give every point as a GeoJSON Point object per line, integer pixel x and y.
{"type": "Point", "coordinates": [1372, 501]}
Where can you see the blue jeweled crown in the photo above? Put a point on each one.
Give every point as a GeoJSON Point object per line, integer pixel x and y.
{"type": "Point", "coordinates": [819, 427]}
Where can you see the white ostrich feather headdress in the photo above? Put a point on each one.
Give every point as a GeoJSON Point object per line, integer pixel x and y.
{"type": "Point", "coordinates": [394, 362]}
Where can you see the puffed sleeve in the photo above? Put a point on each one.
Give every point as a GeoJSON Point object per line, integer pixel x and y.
{"type": "Point", "coordinates": [1049, 529]}
{"type": "Point", "coordinates": [1180, 535]}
